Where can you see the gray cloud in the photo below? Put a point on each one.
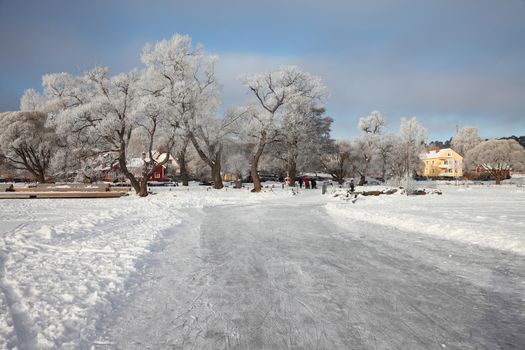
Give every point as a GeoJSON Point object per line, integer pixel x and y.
{"type": "Point", "coordinates": [448, 62]}
{"type": "Point", "coordinates": [492, 102]}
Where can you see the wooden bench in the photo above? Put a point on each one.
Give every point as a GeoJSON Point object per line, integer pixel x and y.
{"type": "Point", "coordinates": [42, 195]}
{"type": "Point", "coordinates": [64, 188]}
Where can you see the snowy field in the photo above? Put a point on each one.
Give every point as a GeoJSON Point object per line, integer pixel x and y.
{"type": "Point", "coordinates": [486, 215]}
{"type": "Point", "coordinates": [232, 269]}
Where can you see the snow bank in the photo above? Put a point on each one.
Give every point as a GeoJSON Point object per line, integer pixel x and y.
{"type": "Point", "coordinates": [489, 216]}
{"type": "Point", "coordinates": [7, 331]}
{"type": "Point", "coordinates": [65, 261]}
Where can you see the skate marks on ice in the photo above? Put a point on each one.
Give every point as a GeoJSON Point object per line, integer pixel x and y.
{"type": "Point", "coordinates": [276, 277]}
{"type": "Point", "coordinates": [161, 305]}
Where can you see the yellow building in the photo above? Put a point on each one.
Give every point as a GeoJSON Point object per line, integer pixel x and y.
{"type": "Point", "coordinates": [441, 163]}
{"type": "Point", "coordinates": [230, 177]}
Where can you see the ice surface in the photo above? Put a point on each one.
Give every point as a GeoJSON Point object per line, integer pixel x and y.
{"type": "Point", "coordinates": [231, 269]}
{"type": "Point", "coordinates": [63, 261]}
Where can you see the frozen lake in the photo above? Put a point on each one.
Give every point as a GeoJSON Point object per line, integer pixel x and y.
{"type": "Point", "coordinates": [281, 276]}
{"type": "Point", "coordinates": [232, 270]}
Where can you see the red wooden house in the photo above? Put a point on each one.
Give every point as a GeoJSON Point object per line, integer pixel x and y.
{"type": "Point", "coordinates": [135, 167]}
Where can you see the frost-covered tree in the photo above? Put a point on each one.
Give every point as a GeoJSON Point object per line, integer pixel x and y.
{"type": "Point", "coordinates": [272, 92]}
{"type": "Point", "coordinates": [184, 76]}
{"type": "Point", "coordinates": [498, 157]}
{"type": "Point", "coordinates": [238, 164]}
{"type": "Point", "coordinates": [362, 152]}
{"type": "Point", "coordinates": [304, 136]}
{"type": "Point", "coordinates": [27, 143]}
{"type": "Point", "coordinates": [338, 160]}
{"type": "Point", "coordinates": [63, 91]}
{"type": "Point", "coordinates": [152, 121]}
{"type": "Point", "coordinates": [95, 167]}
{"type": "Point", "coordinates": [411, 142]}
{"type": "Point", "coordinates": [99, 113]}
{"type": "Point", "coordinates": [372, 124]}
{"type": "Point", "coordinates": [365, 146]}
{"type": "Point", "coordinates": [385, 154]}
{"type": "Point", "coordinates": [315, 141]}
{"type": "Point", "coordinates": [256, 129]}
{"type": "Point", "coordinates": [465, 139]}
{"type": "Point", "coordinates": [208, 140]}
{"type": "Point", "coordinates": [32, 101]}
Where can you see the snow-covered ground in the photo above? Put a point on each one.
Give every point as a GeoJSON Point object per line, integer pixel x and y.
{"type": "Point", "coordinates": [68, 267]}
{"type": "Point", "coordinates": [486, 215]}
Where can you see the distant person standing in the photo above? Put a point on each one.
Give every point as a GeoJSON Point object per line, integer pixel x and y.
{"type": "Point", "coordinates": [306, 183]}
{"type": "Point", "coordinates": [314, 184]}
{"type": "Point", "coordinates": [300, 180]}
{"type": "Point", "coordinates": [352, 185]}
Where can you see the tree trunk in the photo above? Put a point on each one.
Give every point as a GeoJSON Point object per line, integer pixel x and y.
{"type": "Point", "coordinates": [184, 176]}
{"type": "Point", "coordinates": [183, 163]}
{"type": "Point", "coordinates": [497, 176]}
{"type": "Point", "coordinates": [362, 180]}
{"type": "Point", "coordinates": [255, 177]}
{"type": "Point", "coordinates": [38, 173]}
{"type": "Point", "coordinates": [135, 184]}
{"type": "Point", "coordinates": [143, 191]}
{"type": "Point", "coordinates": [216, 175]}
{"type": "Point", "coordinates": [292, 166]}
{"type": "Point", "coordinates": [132, 179]}
{"type": "Point", "coordinates": [35, 168]}
{"type": "Point", "coordinates": [292, 173]}
{"type": "Point", "coordinates": [238, 182]}
{"type": "Point", "coordinates": [214, 164]}
{"type": "Point", "coordinates": [255, 163]}
{"type": "Point", "coordinates": [41, 177]}
{"type": "Point", "coordinates": [383, 171]}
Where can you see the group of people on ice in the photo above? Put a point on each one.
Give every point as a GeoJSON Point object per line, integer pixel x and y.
{"type": "Point", "coordinates": [308, 183]}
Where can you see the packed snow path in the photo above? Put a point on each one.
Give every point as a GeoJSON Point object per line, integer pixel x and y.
{"type": "Point", "coordinates": [286, 276]}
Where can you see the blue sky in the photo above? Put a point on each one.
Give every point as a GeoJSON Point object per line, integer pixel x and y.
{"type": "Point", "coordinates": [448, 62]}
